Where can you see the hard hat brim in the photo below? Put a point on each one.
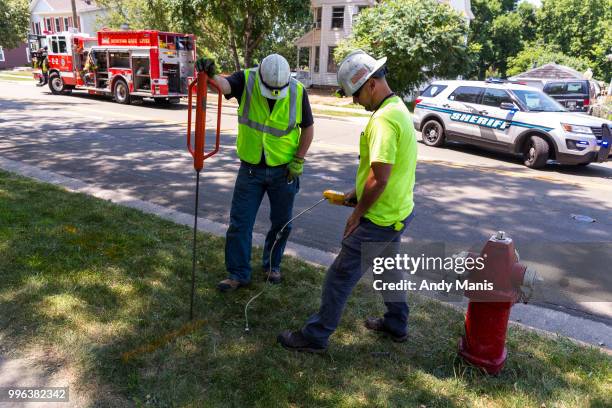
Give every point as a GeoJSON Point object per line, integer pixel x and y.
{"type": "Point", "coordinates": [268, 93]}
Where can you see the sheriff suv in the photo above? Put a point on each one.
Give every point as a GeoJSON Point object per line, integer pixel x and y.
{"type": "Point", "coordinates": [513, 118]}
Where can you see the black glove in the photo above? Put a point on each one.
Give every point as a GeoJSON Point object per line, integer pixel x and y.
{"type": "Point", "coordinates": [206, 65]}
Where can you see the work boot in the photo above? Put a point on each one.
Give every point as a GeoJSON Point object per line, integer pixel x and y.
{"type": "Point", "coordinates": [297, 342]}
{"type": "Point", "coordinates": [378, 324]}
{"type": "Point", "coordinates": [229, 285]}
{"type": "Point", "coordinates": [274, 277]}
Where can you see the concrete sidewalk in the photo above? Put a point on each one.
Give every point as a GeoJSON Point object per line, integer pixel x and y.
{"type": "Point", "coordinates": [553, 322]}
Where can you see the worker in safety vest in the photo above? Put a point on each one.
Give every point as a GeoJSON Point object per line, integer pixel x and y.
{"type": "Point", "coordinates": [275, 129]}
{"type": "Point", "coordinates": [383, 190]}
{"type": "Point", "coordinates": [43, 63]}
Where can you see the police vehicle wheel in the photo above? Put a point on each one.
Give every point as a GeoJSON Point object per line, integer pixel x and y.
{"type": "Point", "coordinates": [56, 84]}
{"type": "Point", "coordinates": [433, 133]}
{"type": "Point", "coordinates": [535, 153]}
{"type": "Point", "coordinates": [121, 92]}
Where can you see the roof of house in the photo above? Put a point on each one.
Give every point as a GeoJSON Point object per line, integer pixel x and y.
{"type": "Point", "coordinates": [550, 71]}
{"type": "Point", "coordinates": [66, 6]}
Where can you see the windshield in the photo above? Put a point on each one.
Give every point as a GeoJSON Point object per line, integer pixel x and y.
{"type": "Point", "coordinates": [537, 101]}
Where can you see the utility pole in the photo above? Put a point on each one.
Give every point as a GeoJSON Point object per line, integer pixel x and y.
{"type": "Point", "coordinates": [75, 21]}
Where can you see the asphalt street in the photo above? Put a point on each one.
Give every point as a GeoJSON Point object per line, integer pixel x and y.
{"type": "Point", "coordinates": [463, 194]}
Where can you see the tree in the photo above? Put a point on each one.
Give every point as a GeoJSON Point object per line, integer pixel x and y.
{"type": "Point", "coordinates": [247, 23]}
{"type": "Point", "coordinates": [537, 54]}
{"type": "Point", "coordinates": [581, 28]}
{"type": "Point", "coordinates": [14, 22]}
{"type": "Point", "coordinates": [498, 32]}
{"type": "Point", "coordinates": [422, 40]}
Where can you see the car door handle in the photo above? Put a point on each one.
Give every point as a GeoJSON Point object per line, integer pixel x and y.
{"type": "Point", "coordinates": [483, 112]}
{"type": "Point", "coordinates": [446, 105]}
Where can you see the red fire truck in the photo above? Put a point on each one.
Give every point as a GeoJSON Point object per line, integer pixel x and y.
{"type": "Point", "coordinates": [125, 64]}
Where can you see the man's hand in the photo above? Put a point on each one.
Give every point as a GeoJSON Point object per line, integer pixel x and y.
{"type": "Point", "coordinates": [206, 65]}
{"type": "Point", "coordinates": [295, 168]}
{"type": "Point", "coordinates": [351, 224]}
{"type": "Point", "coordinates": [350, 198]}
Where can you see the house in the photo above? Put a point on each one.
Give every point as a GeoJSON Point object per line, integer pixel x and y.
{"type": "Point", "coordinates": [56, 15]}
{"type": "Point", "coordinates": [549, 72]}
{"type": "Point", "coordinates": [333, 22]}
{"type": "Point", "coordinates": [51, 16]}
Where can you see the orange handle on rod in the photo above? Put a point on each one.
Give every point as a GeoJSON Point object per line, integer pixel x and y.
{"type": "Point", "coordinates": [197, 151]}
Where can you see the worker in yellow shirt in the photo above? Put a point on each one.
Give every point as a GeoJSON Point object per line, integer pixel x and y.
{"type": "Point", "coordinates": [384, 193]}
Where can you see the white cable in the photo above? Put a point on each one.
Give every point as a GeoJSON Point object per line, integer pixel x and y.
{"type": "Point", "coordinates": [278, 236]}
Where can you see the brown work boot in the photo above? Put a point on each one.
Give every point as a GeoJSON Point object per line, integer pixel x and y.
{"type": "Point", "coordinates": [229, 285]}
{"type": "Point", "coordinates": [296, 341]}
{"type": "Point", "coordinates": [378, 324]}
{"type": "Point", "coordinates": [272, 276]}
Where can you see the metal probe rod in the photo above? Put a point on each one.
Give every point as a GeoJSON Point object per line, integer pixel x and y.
{"type": "Point", "coordinates": [195, 237]}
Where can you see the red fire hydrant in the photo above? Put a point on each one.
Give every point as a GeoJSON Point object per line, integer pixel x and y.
{"type": "Point", "coordinates": [492, 289]}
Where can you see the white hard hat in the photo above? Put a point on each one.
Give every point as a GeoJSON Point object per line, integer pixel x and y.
{"type": "Point", "coordinates": [356, 69]}
{"type": "Point", "coordinates": [274, 75]}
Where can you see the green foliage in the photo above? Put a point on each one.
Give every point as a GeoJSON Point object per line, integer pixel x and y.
{"type": "Point", "coordinates": [14, 22]}
{"type": "Point", "coordinates": [497, 33]}
{"type": "Point", "coordinates": [581, 28]}
{"type": "Point", "coordinates": [535, 55]}
{"type": "Point", "coordinates": [421, 39]}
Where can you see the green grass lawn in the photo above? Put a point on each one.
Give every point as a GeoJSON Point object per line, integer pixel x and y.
{"type": "Point", "coordinates": [86, 282]}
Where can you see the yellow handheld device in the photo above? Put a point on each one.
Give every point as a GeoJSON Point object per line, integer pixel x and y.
{"type": "Point", "coordinates": [334, 197]}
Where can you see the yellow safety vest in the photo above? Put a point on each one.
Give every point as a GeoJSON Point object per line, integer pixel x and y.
{"type": "Point", "coordinates": [276, 132]}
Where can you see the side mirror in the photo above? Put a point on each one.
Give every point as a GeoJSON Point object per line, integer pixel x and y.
{"type": "Point", "coordinates": [508, 106]}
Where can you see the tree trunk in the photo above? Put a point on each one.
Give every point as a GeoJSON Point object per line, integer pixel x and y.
{"type": "Point", "coordinates": [234, 48]}
{"type": "Point", "coordinates": [248, 26]}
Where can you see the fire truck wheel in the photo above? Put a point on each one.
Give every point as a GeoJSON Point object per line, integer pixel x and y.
{"type": "Point", "coordinates": [121, 92]}
{"type": "Point", "coordinates": [56, 84]}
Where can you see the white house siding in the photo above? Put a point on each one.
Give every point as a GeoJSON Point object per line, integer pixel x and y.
{"type": "Point", "coordinates": [326, 36]}
{"type": "Point", "coordinates": [41, 11]}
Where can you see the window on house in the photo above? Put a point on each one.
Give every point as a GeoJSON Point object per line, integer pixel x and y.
{"type": "Point", "coordinates": [58, 26]}
{"type": "Point", "coordinates": [318, 13]}
{"type": "Point", "coordinates": [337, 17]}
{"type": "Point", "coordinates": [1, 54]}
{"type": "Point", "coordinates": [66, 23]}
{"type": "Point", "coordinates": [48, 24]}
{"type": "Point", "coordinates": [331, 63]}
{"type": "Point", "coordinates": [316, 57]}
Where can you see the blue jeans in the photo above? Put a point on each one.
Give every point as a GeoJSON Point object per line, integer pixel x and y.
{"type": "Point", "coordinates": [343, 275]}
{"type": "Point", "coordinates": [252, 183]}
